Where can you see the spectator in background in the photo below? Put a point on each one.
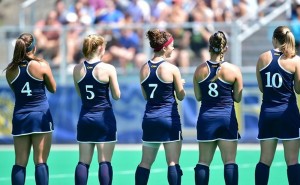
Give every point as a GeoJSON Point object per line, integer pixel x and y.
{"type": "Point", "coordinates": [139, 10]}
{"type": "Point", "coordinates": [295, 27]}
{"type": "Point", "coordinates": [200, 33]}
{"type": "Point", "coordinates": [61, 11]}
{"type": "Point", "coordinates": [157, 7]}
{"type": "Point", "coordinates": [48, 31]}
{"type": "Point", "coordinates": [126, 46]}
{"type": "Point", "coordinates": [222, 10]}
{"type": "Point", "coordinates": [110, 16]}
{"type": "Point", "coordinates": [175, 14]}
{"type": "Point", "coordinates": [97, 5]}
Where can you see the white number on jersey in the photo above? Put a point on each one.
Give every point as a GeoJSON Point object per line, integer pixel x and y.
{"type": "Point", "coordinates": [271, 82]}
{"type": "Point", "coordinates": [213, 90]}
{"type": "Point", "coordinates": [92, 94]}
{"type": "Point", "coordinates": [26, 89]}
{"type": "Point", "coordinates": [152, 93]}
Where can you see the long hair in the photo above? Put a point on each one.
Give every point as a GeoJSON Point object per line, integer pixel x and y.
{"type": "Point", "coordinates": [286, 40]}
{"type": "Point", "coordinates": [217, 45]}
{"type": "Point", "coordinates": [24, 45]}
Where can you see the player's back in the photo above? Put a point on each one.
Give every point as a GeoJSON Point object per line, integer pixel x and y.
{"type": "Point", "coordinates": [29, 91]}
{"type": "Point", "coordinates": [218, 92]}
{"type": "Point", "coordinates": [160, 94]}
{"type": "Point", "coordinates": [94, 93]}
{"type": "Point", "coordinates": [277, 82]}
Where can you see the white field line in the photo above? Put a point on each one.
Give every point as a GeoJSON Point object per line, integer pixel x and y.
{"type": "Point", "coordinates": [138, 147]}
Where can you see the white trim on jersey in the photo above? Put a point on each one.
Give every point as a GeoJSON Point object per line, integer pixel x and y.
{"type": "Point", "coordinates": [30, 74]}
{"type": "Point", "coordinates": [83, 75]}
{"type": "Point", "coordinates": [278, 61]}
{"type": "Point", "coordinates": [16, 76]}
{"type": "Point", "coordinates": [207, 74]}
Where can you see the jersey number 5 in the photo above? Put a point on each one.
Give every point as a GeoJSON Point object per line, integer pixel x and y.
{"type": "Point", "coordinates": [154, 88]}
{"type": "Point", "coordinates": [88, 90]}
{"type": "Point", "coordinates": [26, 89]}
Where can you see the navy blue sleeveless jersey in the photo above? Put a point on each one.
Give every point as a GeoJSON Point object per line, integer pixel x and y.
{"type": "Point", "coordinates": [217, 118]}
{"type": "Point", "coordinates": [161, 122]}
{"type": "Point", "coordinates": [31, 111]}
{"type": "Point", "coordinates": [279, 117]}
{"type": "Point", "coordinates": [278, 84]}
{"type": "Point", "coordinates": [29, 92]}
{"type": "Point", "coordinates": [94, 94]}
{"type": "Point", "coordinates": [96, 121]}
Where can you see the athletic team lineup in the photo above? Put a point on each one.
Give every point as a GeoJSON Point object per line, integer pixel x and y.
{"type": "Point", "coordinates": [218, 84]}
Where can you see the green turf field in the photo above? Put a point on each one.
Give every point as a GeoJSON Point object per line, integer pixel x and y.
{"type": "Point", "coordinates": [63, 160]}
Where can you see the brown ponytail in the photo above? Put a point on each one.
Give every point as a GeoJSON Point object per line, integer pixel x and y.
{"type": "Point", "coordinates": [24, 45]}
{"type": "Point", "coordinates": [286, 39]}
{"type": "Point", "coordinates": [217, 45]}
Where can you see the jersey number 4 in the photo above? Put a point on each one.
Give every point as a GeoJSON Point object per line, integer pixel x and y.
{"type": "Point", "coordinates": [26, 89]}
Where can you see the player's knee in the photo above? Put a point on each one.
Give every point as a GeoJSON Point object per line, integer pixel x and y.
{"type": "Point", "coordinates": [291, 160]}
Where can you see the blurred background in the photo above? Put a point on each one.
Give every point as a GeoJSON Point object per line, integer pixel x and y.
{"type": "Point", "coordinates": [61, 25]}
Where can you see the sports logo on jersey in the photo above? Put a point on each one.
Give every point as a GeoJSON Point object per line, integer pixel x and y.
{"type": "Point", "coordinates": [153, 66]}
{"type": "Point", "coordinates": [215, 65]}
{"type": "Point", "coordinates": [277, 54]}
{"type": "Point", "coordinates": [89, 67]}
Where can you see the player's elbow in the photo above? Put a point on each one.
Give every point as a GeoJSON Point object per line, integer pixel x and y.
{"type": "Point", "coordinates": [117, 96]}
{"type": "Point", "coordinates": [181, 95]}
{"type": "Point", "coordinates": [297, 90]}
{"type": "Point", "coordinates": [238, 99]}
{"type": "Point", "coordinates": [52, 89]}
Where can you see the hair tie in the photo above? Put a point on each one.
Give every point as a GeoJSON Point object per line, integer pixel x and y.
{"type": "Point", "coordinates": [31, 46]}
{"type": "Point", "coordinates": [165, 44]}
{"type": "Point", "coordinates": [216, 50]}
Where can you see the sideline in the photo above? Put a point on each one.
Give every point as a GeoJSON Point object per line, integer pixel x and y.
{"type": "Point", "coordinates": [138, 147]}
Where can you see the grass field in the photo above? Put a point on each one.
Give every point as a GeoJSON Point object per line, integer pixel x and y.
{"type": "Point", "coordinates": [63, 160]}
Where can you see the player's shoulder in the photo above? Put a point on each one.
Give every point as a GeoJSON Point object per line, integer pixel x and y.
{"type": "Point", "coordinates": [296, 58]}
{"type": "Point", "coordinates": [201, 67]}
{"type": "Point", "coordinates": [169, 66]}
{"type": "Point", "coordinates": [39, 65]}
{"type": "Point", "coordinates": [78, 66]}
{"type": "Point", "coordinates": [265, 56]}
{"type": "Point", "coordinates": [106, 66]}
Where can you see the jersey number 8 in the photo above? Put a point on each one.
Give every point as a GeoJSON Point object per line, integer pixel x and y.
{"type": "Point", "coordinates": [213, 90]}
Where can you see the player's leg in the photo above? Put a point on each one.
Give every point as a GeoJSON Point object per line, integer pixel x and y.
{"type": "Point", "coordinates": [22, 146]}
{"type": "Point", "coordinates": [291, 154]}
{"type": "Point", "coordinates": [148, 157]}
{"type": "Point", "coordinates": [206, 153]}
{"type": "Point", "coordinates": [86, 151]}
{"type": "Point", "coordinates": [105, 172]}
{"type": "Point", "coordinates": [41, 144]}
{"type": "Point", "coordinates": [267, 152]}
{"type": "Point", "coordinates": [228, 153]}
{"type": "Point", "coordinates": [173, 151]}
